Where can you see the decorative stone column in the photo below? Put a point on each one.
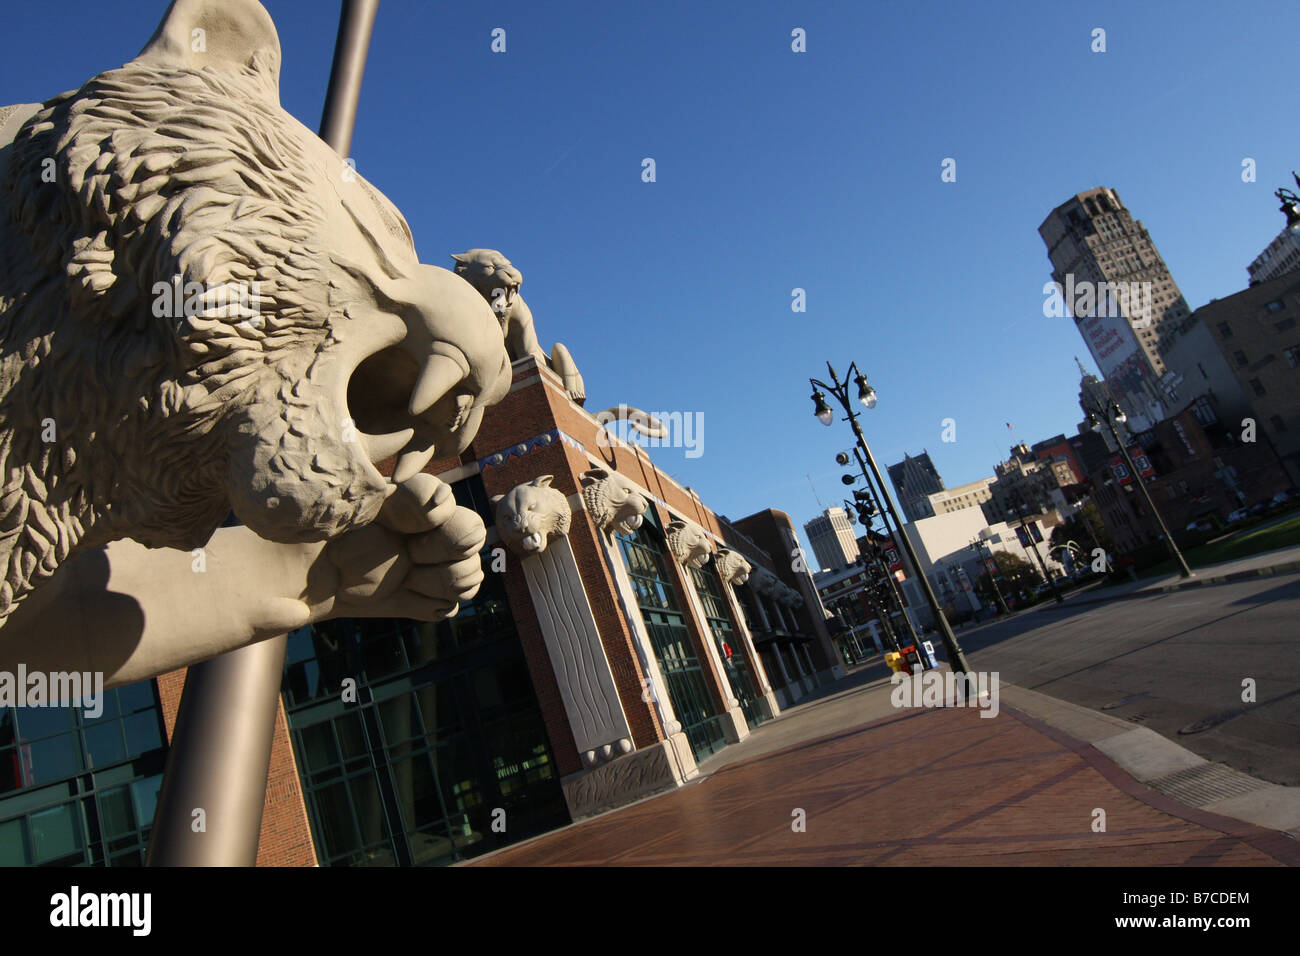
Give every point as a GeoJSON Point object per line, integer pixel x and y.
{"type": "Point", "coordinates": [691, 548]}
{"type": "Point", "coordinates": [534, 521]}
{"type": "Point", "coordinates": [765, 584]}
{"type": "Point", "coordinates": [615, 505]}
{"type": "Point", "coordinates": [734, 571]}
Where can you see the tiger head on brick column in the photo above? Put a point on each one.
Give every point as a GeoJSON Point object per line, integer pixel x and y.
{"type": "Point", "coordinates": [614, 503]}
{"type": "Point", "coordinates": [528, 514]}
{"type": "Point", "coordinates": [689, 544]}
{"type": "Point", "coordinates": [732, 568]}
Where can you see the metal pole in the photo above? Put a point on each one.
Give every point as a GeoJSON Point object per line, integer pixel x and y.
{"type": "Point", "coordinates": [956, 659]}
{"type": "Point", "coordinates": [1033, 546]}
{"type": "Point", "coordinates": [1183, 569]}
{"type": "Point", "coordinates": [210, 805]}
{"type": "Point", "coordinates": [980, 547]}
{"type": "Point", "coordinates": [894, 587]}
{"type": "Point", "coordinates": [339, 117]}
{"type": "Point", "coordinates": [220, 749]}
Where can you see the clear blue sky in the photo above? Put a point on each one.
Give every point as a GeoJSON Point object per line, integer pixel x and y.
{"type": "Point", "coordinates": [779, 170]}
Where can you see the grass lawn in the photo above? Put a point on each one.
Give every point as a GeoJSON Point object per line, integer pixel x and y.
{"type": "Point", "coordinates": [1248, 541]}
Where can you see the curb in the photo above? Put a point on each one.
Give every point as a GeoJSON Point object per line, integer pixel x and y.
{"type": "Point", "coordinates": [1287, 567]}
{"type": "Point", "coordinates": [1169, 769]}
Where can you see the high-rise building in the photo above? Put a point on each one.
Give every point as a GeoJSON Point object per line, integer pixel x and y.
{"type": "Point", "coordinates": [915, 479]}
{"type": "Point", "coordinates": [1112, 281]}
{"type": "Point", "coordinates": [832, 539]}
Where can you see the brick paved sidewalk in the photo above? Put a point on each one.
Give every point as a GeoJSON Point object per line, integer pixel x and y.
{"type": "Point", "coordinates": [921, 788]}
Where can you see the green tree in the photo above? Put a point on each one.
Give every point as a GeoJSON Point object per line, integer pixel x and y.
{"type": "Point", "coordinates": [1085, 528]}
{"type": "Point", "coordinates": [1014, 574]}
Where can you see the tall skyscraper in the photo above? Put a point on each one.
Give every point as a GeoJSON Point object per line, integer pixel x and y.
{"type": "Point", "coordinates": [832, 539]}
{"type": "Point", "coordinates": [1110, 279]}
{"type": "Point", "coordinates": [915, 479]}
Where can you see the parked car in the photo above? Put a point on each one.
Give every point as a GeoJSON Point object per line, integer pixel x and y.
{"type": "Point", "coordinates": [1258, 509]}
{"type": "Point", "coordinates": [1238, 516]}
{"type": "Point", "coordinates": [1278, 500]}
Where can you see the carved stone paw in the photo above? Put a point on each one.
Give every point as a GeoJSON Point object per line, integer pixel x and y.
{"type": "Point", "coordinates": [419, 559]}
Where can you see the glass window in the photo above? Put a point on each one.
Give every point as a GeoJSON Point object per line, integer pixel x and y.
{"type": "Point", "coordinates": [137, 696]}
{"type": "Point", "coordinates": [12, 842]}
{"type": "Point", "coordinates": [104, 744]}
{"type": "Point", "coordinates": [1240, 357]}
{"type": "Point", "coordinates": [142, 733]}
{"type": "Point", "coordinates": [145, 795]}
{"type": "Point", "coordinates": [56, 834]}
{"type": "Point", "coordinates": [53, 759]}
{"type": "Point", "coordinates": [1225, 330]}
{"type": "Point", "coordinates": [116, 818]}
{"type": "Point", "coordinates": [36, 722]}
{"type": "Point", "coordinates": [1257, 386]}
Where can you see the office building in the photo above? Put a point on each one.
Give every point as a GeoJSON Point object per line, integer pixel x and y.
{"type": "Point", "coordinates": [914, 480]}
{"type": "Point", "coordinates": [832, 539]}
{"type": "Point", "coordinates": [1111, 279]}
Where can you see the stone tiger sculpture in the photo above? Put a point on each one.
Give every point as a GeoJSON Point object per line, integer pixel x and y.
{"type": "Point", "coordinates": [614, 503]}
{"type": "Point", "coordinates": [689, 544]}
{"type": "Point", "coordinates": [498, 282]}
{"type": "Point", "coordinates": [528, 514]}
{"type": "Point", "coordinates": [132, 418]}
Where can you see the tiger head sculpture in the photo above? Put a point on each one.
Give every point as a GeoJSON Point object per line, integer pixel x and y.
{"type": "Point", "coordinates": [732, 568]}
{"type": "Point", "coordinates": [689, 544]}
{"type": "Point", "coordinates": [530, 513]}
{"type": "Point", "coordinates": [203, 309]}
{"type": "Point", "coordinates": [614, 503]}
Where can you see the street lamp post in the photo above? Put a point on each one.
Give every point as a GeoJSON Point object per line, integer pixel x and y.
{"type": "Point", "coordinates": [872, 506]}
{"type": "Point", "coordinates": [1095, 417]}
{"type": "Point", "coordinates": [1022, 512]}
{"type": "Point", "coordinates": [825, 415]}
{"type": "Point", "coordinates": [979, 547]}
{"type": "Point", "coordinates": [876, 571]}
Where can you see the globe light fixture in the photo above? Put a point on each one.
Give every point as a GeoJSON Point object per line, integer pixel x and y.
{"type": "Point", "coordinates": [866, 394]}
{"type": "Point", "coordinates": [822, 410]}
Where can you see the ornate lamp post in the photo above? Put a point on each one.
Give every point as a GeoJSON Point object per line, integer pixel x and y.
{"type": "Point", "coordinates": [825, 415]}
{"type": "Point", "coordinates": [1096, 416]}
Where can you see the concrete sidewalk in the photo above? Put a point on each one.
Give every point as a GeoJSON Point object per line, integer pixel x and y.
{"type": "Point", "coordinates": [878, 785]}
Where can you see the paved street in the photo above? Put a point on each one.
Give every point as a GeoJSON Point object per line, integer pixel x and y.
{"type": "Point", "coordinates": [917, 787]}
{"type": "Point", "coordinates": [1172, 662]}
